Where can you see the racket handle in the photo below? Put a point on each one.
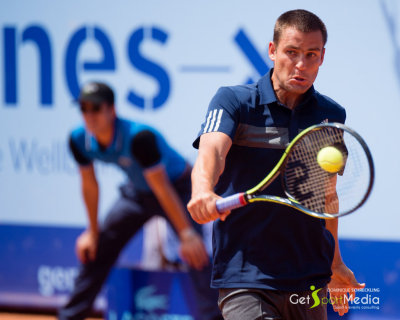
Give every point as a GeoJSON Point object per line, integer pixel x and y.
{"type": "Point", "coordinates": [234, 201]}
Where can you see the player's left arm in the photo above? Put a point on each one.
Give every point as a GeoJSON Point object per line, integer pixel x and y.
{"type": "Point", "coordinates": [145, 150]}
{"type": "Point", "coordinates": [343, 281]}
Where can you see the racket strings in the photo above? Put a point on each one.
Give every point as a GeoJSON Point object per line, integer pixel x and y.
{"type": "Point", "coordinates": [305, 180]}
{"type": "Point", "coordinates": [319, 190]}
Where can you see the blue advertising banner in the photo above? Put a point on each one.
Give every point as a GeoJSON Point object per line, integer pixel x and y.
{"type": "Point", "coordinates": [38, 265]}
{"type": "Point", "coordinates": [135, 294]}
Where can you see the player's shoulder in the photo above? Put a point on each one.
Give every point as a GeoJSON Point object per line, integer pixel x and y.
{"type": "Point", "coordinates": [133, 128]}
{"type": "Point", "coordinates": [77, 141]}
{"type": "Point", "coordinates": [329, 104]}
{"type": "Point", "coordinates": [237, 91]}
{"type": "Point", "coordinates": [233, 97]}
{"type": "Point", "coordinates": [78, 133]}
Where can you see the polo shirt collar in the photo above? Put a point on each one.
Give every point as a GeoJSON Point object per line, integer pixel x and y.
{"type": "Point", "coordinates": [93, 144]}
{"type": "Point", "coordinates": [267, 93]}
{"type": "Point", "coordinates": [265, 89]}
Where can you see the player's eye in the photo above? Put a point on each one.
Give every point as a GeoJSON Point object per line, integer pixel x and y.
{"type": "Point", "coordinates": [95, 109]}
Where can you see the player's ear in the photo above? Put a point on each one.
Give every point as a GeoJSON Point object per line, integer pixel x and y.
{"type": "Point", "coordinates": [322, 56]}
{"type": "Point", "coordinates": [272, 50]}
{"type": "Point", "coordinates": [113, 110]}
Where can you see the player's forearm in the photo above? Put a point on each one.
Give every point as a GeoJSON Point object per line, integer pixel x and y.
{"type": "Point", "coordinates": [90, 192]}
{"type": "Point", "coordinates": [209, 165]}
{"type": "Point", "coordinates": [168, 198]}
{"type": "Point", "coordinates": [332, 226]}
{"type": "Point", "coordinates": [174, 209]}
{"type": "Point", "coordinates": [206, 172]}
{"type": "Point", "coordinates": [332, 206]}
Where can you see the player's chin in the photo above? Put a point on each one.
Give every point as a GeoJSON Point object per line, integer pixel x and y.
{"type": "Point", "coordinates": [299, 87]}
{"type": "Point", "coordinates": [96, 129]}
{"type": "Point", "coordinates": [91, 127]}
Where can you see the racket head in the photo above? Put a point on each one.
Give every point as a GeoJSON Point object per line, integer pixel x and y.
{"type": "Point", "coordinates": [320, 193]}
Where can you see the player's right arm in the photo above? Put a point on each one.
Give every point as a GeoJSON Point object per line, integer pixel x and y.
{"type": "Point", "coordinates": [214, 141]}
{"type": "Point", "coordinates": [209, 165]}
{"type": "Point", "coordinates": [86, 244]}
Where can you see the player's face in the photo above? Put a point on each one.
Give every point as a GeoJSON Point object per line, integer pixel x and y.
{"type": "Point", "coordinates": [297, 58]}
{"type": "Point", "coordinates": [99, 118]}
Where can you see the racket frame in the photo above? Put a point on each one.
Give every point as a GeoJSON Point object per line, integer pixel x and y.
{"type": "Point", "coordinates": [252, 195]}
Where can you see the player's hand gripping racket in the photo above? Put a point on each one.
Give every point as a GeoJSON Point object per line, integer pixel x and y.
{"type": "Point", "coordinates": [327, 172]}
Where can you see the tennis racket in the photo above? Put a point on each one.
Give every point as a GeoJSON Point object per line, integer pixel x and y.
{"type": "Point", "coordinates": [310, 188]}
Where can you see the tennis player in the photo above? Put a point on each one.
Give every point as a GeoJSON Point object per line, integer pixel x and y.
{"type": "Point", "coordinates": [269, 260]}
{"type": "Point", "coordinates": [159, 184]}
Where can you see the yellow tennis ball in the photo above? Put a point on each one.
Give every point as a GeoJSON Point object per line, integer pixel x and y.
{"type": "Point", "coordinates": [330, 159]}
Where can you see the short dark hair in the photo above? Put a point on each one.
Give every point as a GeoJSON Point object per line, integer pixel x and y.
{"type": "Point", "coordinates": [302, 20]}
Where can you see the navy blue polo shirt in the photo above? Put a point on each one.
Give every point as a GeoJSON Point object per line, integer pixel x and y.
{"type": "Point", "coordinates": [266, 245]}
{"type": "Point", "coordinates": [86, 149]}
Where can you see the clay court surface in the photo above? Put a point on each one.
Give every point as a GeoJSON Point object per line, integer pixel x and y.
{"type": "Point", "coordinates": [26, 316]}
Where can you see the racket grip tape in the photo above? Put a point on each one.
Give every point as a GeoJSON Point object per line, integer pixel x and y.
{"type": "Point", "coordinates": [234, 201]}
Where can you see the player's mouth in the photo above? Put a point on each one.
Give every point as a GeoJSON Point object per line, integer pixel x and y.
{"type": "Point", "coordinates": [299, 79]}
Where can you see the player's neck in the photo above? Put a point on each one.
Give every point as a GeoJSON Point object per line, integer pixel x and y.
{"type": "Point", "coordinates": [291, 100]}
{"type": "Point", "coordinates": [105, 137]}
{"type": "Point", "coordinates": [287, 98]}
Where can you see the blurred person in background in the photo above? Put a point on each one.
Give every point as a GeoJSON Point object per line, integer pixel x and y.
{"type": "Point", "coordinates": [159, 184]}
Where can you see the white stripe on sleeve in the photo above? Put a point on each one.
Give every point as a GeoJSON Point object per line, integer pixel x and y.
{"type": "Point", "coordinates": [207, 122]}
{"type": "Point", "coordinates": [212, 121]}
{"type": "Point", "coordinates": [218, 119]}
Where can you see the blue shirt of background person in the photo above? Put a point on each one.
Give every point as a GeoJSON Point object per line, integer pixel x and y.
{"type": "Point", "coordinates": [159, 184]}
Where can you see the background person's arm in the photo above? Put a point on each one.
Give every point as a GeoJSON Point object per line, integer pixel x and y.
{"type": "Point", "coordinates": [192, 248]}
{"type": "Point", "coordinates": [86, 244]}
{"type": "Point", "coordinates": [145, 150]}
